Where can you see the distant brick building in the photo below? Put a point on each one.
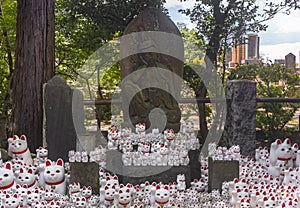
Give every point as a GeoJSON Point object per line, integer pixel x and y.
{"type": "Point", "coordinates": [246, 51]}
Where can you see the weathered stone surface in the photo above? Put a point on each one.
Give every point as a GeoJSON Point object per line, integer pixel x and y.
{"type": "Point", "coordinates": [195, 164]}
{"type": "Point", "coordinates": [220, 171]}
{"type": "Point", "coordinates": [60, 133]}
{"type": "Point", "coordinates": [147, 52]}
{"type": "Point", "coordinates": [139, 174]}
{"type": "Point", "coordinates": [87, 174]}
{"type": "Point", "coordinates": [240, 126]}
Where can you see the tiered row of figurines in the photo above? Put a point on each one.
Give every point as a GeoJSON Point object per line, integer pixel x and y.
{"type": "Point", "coordinates": [155, 148]}
{"type": "Point", "coordinates": [271, 179]}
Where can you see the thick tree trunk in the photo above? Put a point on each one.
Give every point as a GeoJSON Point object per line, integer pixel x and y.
{"type": "Point", "coordinates": [34, 66]}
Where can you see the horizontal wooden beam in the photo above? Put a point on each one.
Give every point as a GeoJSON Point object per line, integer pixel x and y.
{"type": "Point", "coordinates": [201, 100]}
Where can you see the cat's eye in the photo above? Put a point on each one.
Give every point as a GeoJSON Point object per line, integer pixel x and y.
{"type": "Point", "coordinates": [48, 172]}
{"type": "Point", "coordinates": [5, 175]}
{"type": "Point", "coordinates": [27, 177]}
{"type": "Point", "coordinates": [57, 171]}
{"type": "Point", "coordinates": [20, 177]}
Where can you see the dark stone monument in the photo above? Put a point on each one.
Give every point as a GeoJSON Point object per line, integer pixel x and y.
{"type": "Point", "coordinates": [195, 164]}
{"type": "Point", "coordinates": [220, 171]}
{"type": "Point", "coordinates": [240, 126]}
{"type": "Point", "coordinates": [148, 49]}
{"type": "Point", "coordinates": [59, 127]}
{"type": "Point", "coordinates": [86, 174]}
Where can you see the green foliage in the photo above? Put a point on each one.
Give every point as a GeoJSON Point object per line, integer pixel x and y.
{"type": "Point", "coordinates": [7, 45]}
{"type": "Point", "coordinates": [82, 27]}
{"type": "Point", "coordinates": [273, 80]}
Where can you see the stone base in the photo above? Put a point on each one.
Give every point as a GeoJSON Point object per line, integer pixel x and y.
{"type": "Point", "coordinates": [220, 171]}
{"type": "Point", "coordinates": [87, 174]}
{"type": "Point", "coordinates": [140, 174]}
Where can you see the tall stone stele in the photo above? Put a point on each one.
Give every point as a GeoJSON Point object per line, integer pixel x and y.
{"type": "Point", "coordinates": [152, 43]}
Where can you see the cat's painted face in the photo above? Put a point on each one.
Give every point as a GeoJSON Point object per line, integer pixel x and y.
{"type": "Point", "coordinates": [124, 195]}
{"type": "Point", "coordinates": [80, 202]}
{"type": "Point", "coordinates": [162, 194]}
{"type": "Point", "coordinates": [17, 144]}
{"type": "Point", "coordinates": [54, 172]}
{"type": "Point", "coordinates": [43, 152]}
{"type": "Point", "coordinates": [26, 177]}
{"type": "Point", "coordinates": [12, 201]}
{"type": "Point", "coordinates": [181, 178]}
{"type": "Point", "coordinates": [86, 191]}
{"type": "Point", "coordinates": [141, 127]}
{"type": "Point", "coordinates": [33, 197]}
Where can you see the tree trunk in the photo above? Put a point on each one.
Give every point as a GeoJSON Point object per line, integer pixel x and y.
{"type": "Point", "coordinates": [34, 66]}
{"type": "Point", "coordinates": [201, 93]}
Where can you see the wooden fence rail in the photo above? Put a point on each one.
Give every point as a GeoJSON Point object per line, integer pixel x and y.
{"type": "Point", "coordinates": [201, 100]}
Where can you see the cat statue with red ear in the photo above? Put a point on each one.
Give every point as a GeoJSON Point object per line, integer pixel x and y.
{"type": "Point", "coordinates": [27, 177]}
{"type": "Point", "coordinates": [17, 148]}
{"type": "Point", "coordinates": [160, 196]}
{"type": "Point", "coordinates": [7, 182]}
{"type": "Point", "coordinates": [54, 176]}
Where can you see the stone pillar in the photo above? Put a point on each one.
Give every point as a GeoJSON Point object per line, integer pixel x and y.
{"type": "Point", "coordinates": [240, 126]}
{"type": "Point", "coordinates": [59, 127]}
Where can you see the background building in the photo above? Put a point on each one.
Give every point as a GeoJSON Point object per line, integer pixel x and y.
{"type": "Point", "coordinates": [245, 51]}
{"type": "Point", "coordinates": [290, 61]}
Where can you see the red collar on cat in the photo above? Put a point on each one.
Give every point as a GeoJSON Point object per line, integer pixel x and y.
{"type": "Point", "coordinates": [8, 186]}
{"type": "Point", "coordinates": [55, 183]}
{"type": "Point", "coordinates": [284, 159]}
{"type": "Point", "coordinates": [161, 203]}
{"type": "Point", "coordinates": [32, 184]}
{"type": "Point", "coordinates": [124, 204]}
{"type": "Point", "coordinates": [21, 152]}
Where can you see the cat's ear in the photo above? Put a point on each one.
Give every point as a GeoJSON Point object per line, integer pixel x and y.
{"type": "Point", "coordinates": [48, 163]}
{"type": "Point", "coordinates": [60, 162]}
{"type": "Point", "coordinates": [8, 166]}
{"type": "Point", "coordinates": [23, 137]}
{"type": "Point", "coordinates": [29, 171]}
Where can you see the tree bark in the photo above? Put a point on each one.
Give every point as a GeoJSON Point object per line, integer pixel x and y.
{"type": "Point", "coordinates": [34, 66]}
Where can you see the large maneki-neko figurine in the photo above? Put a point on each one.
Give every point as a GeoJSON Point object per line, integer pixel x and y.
{"type": "Point", "coordinates": [18, 148]}
{"type": "Point", "coordinates": [281, 153]}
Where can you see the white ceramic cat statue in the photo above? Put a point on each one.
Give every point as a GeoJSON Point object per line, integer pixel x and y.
{"type": "Point", "coordinates": [7, 181]}
{"type": "Point", "coordinates": [181, 186]}
{"type": "Point", "coordinates": [17, 148]}
{"type": "Point", "coordinates": [54, 176]}
{"type": "Point", "coordinates": [160, 196]}
{"type": "Point", "coordinates": [27, 177]}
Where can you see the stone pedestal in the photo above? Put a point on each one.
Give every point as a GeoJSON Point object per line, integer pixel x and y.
{"type": "Point", "coordinates": [140, 174]}
{"type": "Point", "coordinates": [87, 174]}
{"type": "Point", "coordinates": [240, 126]}
{"type": "Point", "coordinates": [220, 171]}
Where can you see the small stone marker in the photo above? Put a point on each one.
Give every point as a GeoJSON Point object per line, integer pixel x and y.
{"type": "Point", "coordinates": [87, 174]}
{"type": "Point", "coordinates": [195, 164]}
{"type": "Point", "coordinates": [220, 171]}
